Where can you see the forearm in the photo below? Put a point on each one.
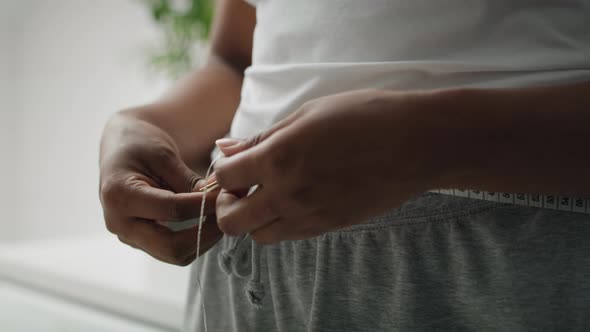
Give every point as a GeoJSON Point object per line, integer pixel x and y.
{"type": "Point", "coordinates": [197, 110]}
{"type": "Point", "coordinates": [530, 140]}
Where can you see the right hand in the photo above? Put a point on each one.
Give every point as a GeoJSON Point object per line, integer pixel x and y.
{"type": "Point", "coordinates": [143, 181]}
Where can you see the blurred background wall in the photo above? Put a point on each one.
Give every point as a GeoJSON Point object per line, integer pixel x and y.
{"type": "Point", "coordinates": [7, 154]}
{"type": "Point", "coordinates": [66, 66]}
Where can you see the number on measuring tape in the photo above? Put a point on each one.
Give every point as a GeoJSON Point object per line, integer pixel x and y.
{"type": "Point", "coordinates": [536, 200]}
{"type": "Point", "coordinates": [521, 199]}
{"type": "Point", "coordinates": [579, 205]}
{"type": "Point", "coordinates": [565, 203]}
{"type": "Point", "coordinates": [491, 196]}
{"type": "Point", "coordinates": [506, 198]}
{"type": "Point", "coordinates": [550, 202]}
{"type": "Point", "coordinates": [462, 192]}
{"type": "Point", "coordinates": [476, 194]}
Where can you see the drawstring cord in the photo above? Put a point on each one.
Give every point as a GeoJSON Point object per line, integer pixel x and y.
{"type": "Point", "coordinates": [255, 288]}
{"type": "Point", "coordinates": [202, 218]}
{"type": "Point", "coordinates": [233, 261]}
{"type": "Point", "coordinates": [229, 260]}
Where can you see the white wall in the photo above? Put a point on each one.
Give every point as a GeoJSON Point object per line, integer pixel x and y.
{"type": "Point", "coordinates": [7, 105]}
{"type": "Point", "coordinates": [7, 151]}
{"type": "Point", "coordinates": [65, 67]}
{"type": "Point", "coordinates": [75, 62]}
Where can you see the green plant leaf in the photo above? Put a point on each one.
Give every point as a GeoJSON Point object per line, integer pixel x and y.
{"type": "Point", "coordinates": [181, 29]}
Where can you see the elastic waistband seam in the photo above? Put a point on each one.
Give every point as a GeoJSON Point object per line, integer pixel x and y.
{"type": "Point", "coordinates": [434, 217]}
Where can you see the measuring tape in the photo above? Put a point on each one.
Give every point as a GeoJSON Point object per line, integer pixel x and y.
{"type": "Point", "coordinates": [561, 203]}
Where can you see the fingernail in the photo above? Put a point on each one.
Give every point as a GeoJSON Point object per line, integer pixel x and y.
{"type": "Point", "coordinates": [223, 143]}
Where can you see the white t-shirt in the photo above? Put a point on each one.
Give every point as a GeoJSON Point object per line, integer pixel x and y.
{"type": "Point", "coordinates": [304, 49]}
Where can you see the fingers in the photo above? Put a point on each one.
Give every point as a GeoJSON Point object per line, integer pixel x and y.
{"type": "Point", "coordinates": [156, 204]}
{"type": "Point", "coordinates": [178, 175]}
{"type": "Point", "coordinates": [134, 197]}
{"type": "Point", "coordinates": [237, 216]}
{"type": "Point", "coordinates": [242, 167]}
{"type": "Point", "coordinates": [239, 171]}
{"type": "Point", "coordinates": [178, 248]}
{"type": "Point", "coordinates": [232, 146]}
{"type": "Point", "coordinates": [132, 206]}
{"type": "Point", "coordinates": [209, 185]}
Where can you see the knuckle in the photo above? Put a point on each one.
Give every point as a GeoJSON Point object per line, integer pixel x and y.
{"type": "Point", "coordinates": [225, 171]}
{"type": "Point", "coordinates": [221, 173]}
{"type": "Point", "coordinates": [307, 106]}
{"type": "Point", "coordinates": [256, 159]}
{"type": "Point", "coordinates": [113, 226]}
{"type": "Point", "coordinates": [281, 158]}
{"type": "Point", "coordinates": [253, 140]}
{"type": "Point", "coordinates": [110, 226]}
{"type": "Point", "coordinates": [162, 156]}
{"type": "Point", "coordinates": [124, 240]}
{"type": "Point", "coordinates": [165, 155]}
{"type": "Point", "coordinates": [299, 198]}
{"type": "Point", "coordinates": [176, 254]}
{"type": "Point", "coordinates": [274, 208]}
{"type": "Point", "coordinates": [193, 180]}
{"type": "Point", "coordinates": [110, 191]}
{"type": "Point", "coordinates": [187, 261]}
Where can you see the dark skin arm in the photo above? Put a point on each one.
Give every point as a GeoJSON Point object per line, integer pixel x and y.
{"type": "Point", "coordinates": [532, 140]}
{"type": "Point", "coordinates": [211, 93]}
{"type": "Point", "coordinates": [149, 153]}
{"type": "Point", "coordinates": [344, 158]}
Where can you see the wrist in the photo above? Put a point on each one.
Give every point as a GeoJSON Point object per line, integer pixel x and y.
{"type": "Point", "coordinates": [417, 125]}
{"type": "Point", "coordinates": [447, 135]}
{"type": "Point", "coordinates": [510, 140]}
{"type": "Point", "coordinates": [469, 136]}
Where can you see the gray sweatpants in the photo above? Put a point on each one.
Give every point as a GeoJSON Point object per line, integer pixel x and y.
{"type": "Point", "coordinates": [436, 263]}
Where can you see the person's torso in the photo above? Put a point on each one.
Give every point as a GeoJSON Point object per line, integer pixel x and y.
{"type": "Point", "coordinates": [436, 262]}
{"type": "Point", "coordinates": [307, 49]}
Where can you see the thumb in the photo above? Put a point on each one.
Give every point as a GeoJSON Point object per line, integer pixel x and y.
{"type": "Point", "coordinates": [180, 177]}
{"type": "Point", "coordinates": [231, 146]}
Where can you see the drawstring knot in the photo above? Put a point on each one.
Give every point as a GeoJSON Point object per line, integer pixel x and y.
{"type": "Point", "coordinates": [234, 261]}
{"type": "Point", "coordinates": [254, 289]}
{"type": "Point", "coordinates": [225, 261]}
{"type": "Point", "coordinates": [255, 293]}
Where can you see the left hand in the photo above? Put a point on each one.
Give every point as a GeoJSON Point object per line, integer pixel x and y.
{"type": "Point", "coordinates": [337, 161]}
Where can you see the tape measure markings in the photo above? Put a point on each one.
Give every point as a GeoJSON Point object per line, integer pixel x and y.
{"type": "Point", "coordinates": [551, 202]}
